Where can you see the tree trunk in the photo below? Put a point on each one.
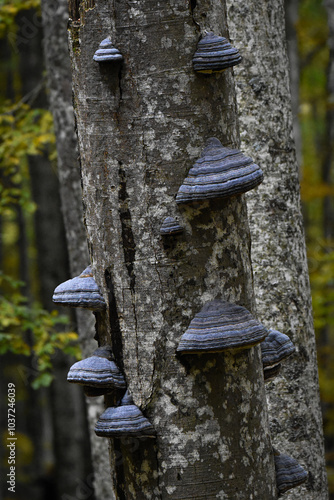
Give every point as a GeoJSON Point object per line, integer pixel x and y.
{"type": "Point", "coordinates": [291, 18]}
{"type": "Point", "coordinates": [57, 61]}
{"type": "Point", "coordinates": [141, 125]}
{"type": "Point", "coordinates": [278, 249]}
{"type": "Point", "coordinates": [52, 266]}
{"type": "Point", "coordinates": [328, 163]}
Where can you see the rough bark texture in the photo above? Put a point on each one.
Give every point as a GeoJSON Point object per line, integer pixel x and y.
{"type": "Point", "coordinates": [141, 125]}
{"type": "Point", "coordinates": [57, 61]}
{"type": "Point", "coordinates": [278, 248]}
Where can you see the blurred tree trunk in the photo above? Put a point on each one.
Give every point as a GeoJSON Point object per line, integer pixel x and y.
{"type": "Point", "coordinates": [140, 127]}
{"type": "Point", "coordinates": [52, 267]}
{"type": "Point", "coordinates": [278, 247]}
{"type": "Point", "coordinates": [57, 62]}
{"type": "Point", "coordinates": [35, 417]}
{"type": "Point", "coordinates": [328, 165]}
{"type": "Point", "coordinates": [291, 18]}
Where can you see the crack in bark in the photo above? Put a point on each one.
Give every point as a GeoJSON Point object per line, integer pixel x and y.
{"type": "Point", "coordinates": [77, 8]}
{"type": "Point", "coordinates": [192, 7]}
{"type": "Point", "coordinates": [74, 9]}
{"type": "Point", "coordinates": [119, 84]}
{"type": "Point", "coordinates": [119, 476]}
{"type": "Point", "coordinates": [115, 328]}
{"type": "Point", "coordinates": [129, 246]}
{"type": "Point", "coordinates": [120, 98]}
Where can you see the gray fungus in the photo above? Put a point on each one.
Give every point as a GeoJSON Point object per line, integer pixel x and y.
{"type": "Point", "coordinates": [221, 326]}
{"type": "Point", "coordinates": [289, 473]}
{"type": "Point", "coordinates": [98, 373]}
{"type": "Point", "coordinates": [214, 53]}
{"type": "Point", "coordinates": [124, 420]}
{"type": "Point", "coordinates": [275, 348]}
{"type": "Point", "coordinates": [107, 52]}
{"type": "Point", "coordinates": [81, 291]}
{"type": "Point", "coordinates": [219, 173]}
{"type": "Point", "coordinates": [170, 227]}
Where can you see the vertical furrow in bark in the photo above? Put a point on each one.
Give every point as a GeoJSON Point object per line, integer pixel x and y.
{"type": "Point", "coordinates": [278, 247]}
{"type": "Point", "coordinates": [114, 322]}
{"type": "Point", "coordinates": [128, 242]}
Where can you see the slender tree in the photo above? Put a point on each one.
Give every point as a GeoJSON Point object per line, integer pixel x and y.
{"type": "Point", "coordinates": [57, 62]}
{"type": "Point", "coordinates": [141, 125]}
{"type": "Point", "coordinates": [327, 167]}
{"type": "Point", "coordinates": [278, 244]}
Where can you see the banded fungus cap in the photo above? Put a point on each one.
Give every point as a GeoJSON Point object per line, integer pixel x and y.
{"type": "Point", "coordinates": [221, 326]}
{"type": "Point", "coordinates": [98, 372]}
{"type": "Point", "coordinates": [289, 474]}
{"type": "Point", "coordinates": [219, 173]}
{"type": "Point", "coordinates": [124, 420]}
{"type": "Point", "coordinates": [81, 291]}
{"type": "Point", "coordinates": [107, 52]}
{"type": "Point", "coordinates": [214, 53]}
{"type": "Point", "coordinates": [275, 348]}
{"type": "Point", "coordinates": [170, 226]}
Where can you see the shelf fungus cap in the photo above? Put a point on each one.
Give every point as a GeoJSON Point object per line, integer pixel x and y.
{"type": "Point", "coordinates": [219, 173]}
{"type": "Point", "coordinates": [276, 348]}
{"type": "Point", "coordinates": [170, 226]}
{"type": "Point", "coordinates": [107, 52]}
{"type": "Point", "coordinates": [124, 420]}
{"type": "Point", "coordinates": [289, 473]}
{"type": "Point", "coordinates": [214, 53]}
{"type": "Point", "coordinates": [221, 326]}
{"type": "Point", "coordinates": [81, 291]}
{"type": "Point", "coordinates": [98, 373]}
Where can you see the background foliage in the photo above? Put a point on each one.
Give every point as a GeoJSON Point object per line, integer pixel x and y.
{"type": "Point", "coordinates": [26, 131]}
{"type": "Point", "coordinates": [315, 118]}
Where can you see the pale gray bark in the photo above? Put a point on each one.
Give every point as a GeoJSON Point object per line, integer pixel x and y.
{"type": "Point", "coordinates": [141, 125]}
{"type": "Point", "coordinates": [55, 18]}
{"type": "Point", "coordinates": [278, 248]}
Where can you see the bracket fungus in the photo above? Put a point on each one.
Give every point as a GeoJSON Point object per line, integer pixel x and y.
{"type": "Point", "coordinates": [124, 420]}
{"type": "Point", "coordinates": [289, 473]}
{"type": "Point", "coordinates": [219, 173]}
{"type": "Point", "coordinates": [170, 226]}
{"type": "Point", "coordinates": [214, 53]}
{"type": "Point", "coordinates": [221, 326]}
{"type": "Point", "coordinates": [81, 291]}
{"type": "Point", "coordinates": [98, 373]}
{"type": "Point", "coordinates": [107, 52]}
{"type": "Point", "coordinates": [274, 349]}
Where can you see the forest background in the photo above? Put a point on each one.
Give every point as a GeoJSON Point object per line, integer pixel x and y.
{"type": "Point", "coordinates": [38, 342]}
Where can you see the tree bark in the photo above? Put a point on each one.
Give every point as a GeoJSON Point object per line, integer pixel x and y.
{"type": "Point", "coordinates": [57, 62]}
{"type": "Point", "coordinates": [278, 249]}
{"type": "Point", "coordinates": [141, 125]}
